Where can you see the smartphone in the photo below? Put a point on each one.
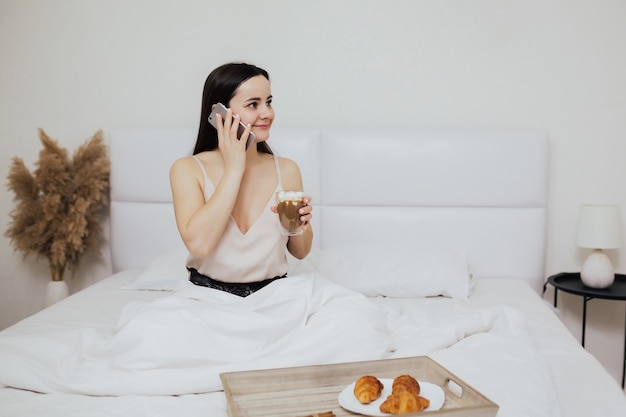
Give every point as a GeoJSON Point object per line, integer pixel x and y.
{"type": "Point", "coordinates": [221, 109]}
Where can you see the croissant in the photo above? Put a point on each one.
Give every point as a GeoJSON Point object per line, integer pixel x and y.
{"type": "Point", "coordinates": [404, 402]}
{"type": "Point", "coordinates": [367, 389]}
{"type": "Point", "coordinates": [404, 397]}
{"type": "Point", "coordinates": [405, 383]}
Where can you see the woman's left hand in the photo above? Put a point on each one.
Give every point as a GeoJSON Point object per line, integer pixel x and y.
{"type": "Point", "coordinates": [306, 212]}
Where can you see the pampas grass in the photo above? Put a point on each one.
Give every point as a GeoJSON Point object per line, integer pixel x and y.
{"type": "Point", "coordinates": [58, 206]}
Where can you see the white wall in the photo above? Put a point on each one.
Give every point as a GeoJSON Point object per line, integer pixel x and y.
{"type": "Point", "coordinates": [72, 67]}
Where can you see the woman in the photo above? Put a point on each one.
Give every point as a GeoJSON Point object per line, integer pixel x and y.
{"type": "Point", "coordinates": [223, 195]}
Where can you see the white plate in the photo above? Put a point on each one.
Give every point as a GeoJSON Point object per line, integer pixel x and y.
{"type": "Point", "coordinates": [427, 390]}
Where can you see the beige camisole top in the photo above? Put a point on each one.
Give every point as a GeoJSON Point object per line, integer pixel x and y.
{"type": "Point", "coordinates": [256, 255]}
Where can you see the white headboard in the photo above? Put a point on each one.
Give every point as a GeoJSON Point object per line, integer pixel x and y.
{"type": "Point", "coordinates": [484, 191]}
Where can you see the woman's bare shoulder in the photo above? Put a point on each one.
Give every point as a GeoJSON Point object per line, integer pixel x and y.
{"type": "Point", "coordinates": [287, 164]}
{"type": "Point", "coordinates": [191, 161]}
{"type": "Point", "coordinates": [185, 163]}
{"type": "Point", "coordinates": [290, 172]}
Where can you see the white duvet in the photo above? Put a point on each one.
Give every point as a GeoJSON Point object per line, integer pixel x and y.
{"type": "Point", "coordinates": [179, 344]}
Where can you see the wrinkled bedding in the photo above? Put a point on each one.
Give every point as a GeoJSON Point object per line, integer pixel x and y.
{"type": "Point", "coordinates": [177, 344]}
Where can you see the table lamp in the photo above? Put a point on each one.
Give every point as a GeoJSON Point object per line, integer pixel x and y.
{"type": "Point", "coordinates": [599, 227]}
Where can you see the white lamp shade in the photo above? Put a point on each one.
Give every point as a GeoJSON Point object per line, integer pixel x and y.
{"type": "Point", "coordinates": [600, 227]}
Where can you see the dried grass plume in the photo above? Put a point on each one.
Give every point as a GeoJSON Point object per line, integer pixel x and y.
{"type": "Point", "coordinates": [58, 206]}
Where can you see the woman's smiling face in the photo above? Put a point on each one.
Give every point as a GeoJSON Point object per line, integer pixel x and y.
{"type": "Point", "coordinates": [253, 103]}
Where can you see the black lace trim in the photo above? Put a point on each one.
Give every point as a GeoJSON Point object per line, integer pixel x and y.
{"type": "Point", "coordinates": [236, 288]}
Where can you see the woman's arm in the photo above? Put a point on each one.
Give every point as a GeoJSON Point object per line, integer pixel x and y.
{"type": "Point", "coordinates": [201, 224]}
{"type": "Point", "coordinates": [300, 245]}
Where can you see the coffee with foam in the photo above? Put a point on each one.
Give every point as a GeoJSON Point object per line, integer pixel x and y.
{"type": "Point", "coordinates": [288, 206]}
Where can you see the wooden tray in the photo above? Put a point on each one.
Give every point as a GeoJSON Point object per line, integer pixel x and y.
{"type": "Point", "coordinates": [302, 391]}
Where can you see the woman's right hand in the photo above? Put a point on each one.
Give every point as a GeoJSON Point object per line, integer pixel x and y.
{"type": "Point", "coordinates": [232, 148]}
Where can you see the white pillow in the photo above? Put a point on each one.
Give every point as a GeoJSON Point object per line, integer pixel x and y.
{"type": "Point", "coordinates": [398, 271]}
{"type": "Point", "coordinates": [165, 273]}
{"type": "Point", "coordinates": [392, 271]}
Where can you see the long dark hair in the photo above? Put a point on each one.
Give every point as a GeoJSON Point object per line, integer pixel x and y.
{"type": "Point", "coordinates": [220, 87]}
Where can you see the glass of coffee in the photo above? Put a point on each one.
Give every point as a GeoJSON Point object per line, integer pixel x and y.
{"type": "Point", "coordinates": [288, 204]}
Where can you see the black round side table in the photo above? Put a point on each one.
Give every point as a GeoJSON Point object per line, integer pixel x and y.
{"type": "Point", "coordinates": [570, 282]}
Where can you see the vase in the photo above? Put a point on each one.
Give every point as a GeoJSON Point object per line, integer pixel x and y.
{"type": "Point", "coordinates": [55, 292]}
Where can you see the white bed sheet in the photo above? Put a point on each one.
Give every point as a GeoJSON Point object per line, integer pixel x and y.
{"type": "Point", "coordinates": [104, 301]}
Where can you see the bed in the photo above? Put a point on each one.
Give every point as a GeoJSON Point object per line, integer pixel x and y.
{"type": "Point", "coordinates": [427, 243]}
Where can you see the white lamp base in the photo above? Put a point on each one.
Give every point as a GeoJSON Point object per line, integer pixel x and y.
{"type": "Point", "coordinates": [597, 271]}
